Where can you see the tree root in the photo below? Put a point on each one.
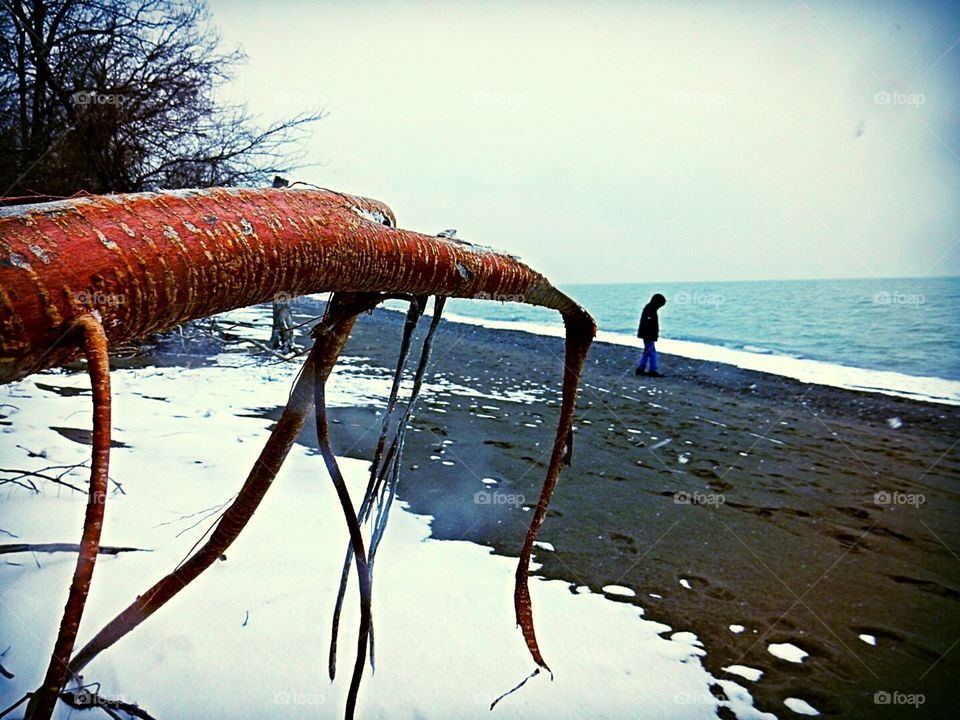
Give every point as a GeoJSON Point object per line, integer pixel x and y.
{"type": "Point", "coordinates": [340, 315]}
{"type": "Point", "coordinates": [94, 342]}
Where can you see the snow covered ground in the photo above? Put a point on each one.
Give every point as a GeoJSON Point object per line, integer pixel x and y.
{"type": "Point", "coordinates": [249, 638]}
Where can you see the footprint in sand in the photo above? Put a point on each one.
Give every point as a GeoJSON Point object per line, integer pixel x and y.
{"type": "Point", "coordinates": [704, 469]}
{"type": "Point", "coordinates": [929, 586]}
{"type": "Point", "coordinates": [887, 532]}
{"type": "Point", "coordinates": [720, 486]}
{"type": "Point", "coordinates": [876, 636]}
{"type": "Point", "coordinates": [849, 541]}
{"type": "Point", "coordinates": [624, 543]}
{"type": "Point", "coordinates": [710, 588]}
{"type": "Point", "coordinates": [857, 513]}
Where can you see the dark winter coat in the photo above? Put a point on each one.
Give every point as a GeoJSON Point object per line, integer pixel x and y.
{"type": "Point", "coordinates": [649, 329]}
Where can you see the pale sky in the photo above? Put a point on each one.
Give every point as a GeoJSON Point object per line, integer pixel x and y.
{"type": "Point", "coordinates": [633, 142]}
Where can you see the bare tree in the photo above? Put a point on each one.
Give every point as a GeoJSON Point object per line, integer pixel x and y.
{"type": "Point", "coordinates": [122, 96]}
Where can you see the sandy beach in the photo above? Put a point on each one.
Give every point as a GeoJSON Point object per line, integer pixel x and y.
{"type": "Point", "coordinates": [800, 540]}
{"type": "Point", "coordinates": [803, 531]}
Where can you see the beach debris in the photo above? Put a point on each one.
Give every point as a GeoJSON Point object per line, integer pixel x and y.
{"type": "Point", "coordinates": [895, 423]}
{"type": "Point", "coordinates": [737, 629]}
{"type": "Point", "coordinates": [113, 269]}
{"type": "Point", "coordinates": [868, 639]}
{"type": "Point", "coordinates": [64, 547]}
{"type": "Point", "coordinates": [512, 690]}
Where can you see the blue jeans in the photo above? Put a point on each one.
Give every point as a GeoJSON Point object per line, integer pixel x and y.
{"type": "Point", "coordinates": [649, 355]}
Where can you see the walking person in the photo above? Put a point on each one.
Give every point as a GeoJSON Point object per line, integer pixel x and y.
{"type": "Point", "coordinates": [649, 332]}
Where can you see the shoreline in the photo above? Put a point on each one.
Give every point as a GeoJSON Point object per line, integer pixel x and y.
{"type": "Point", "coordinates": [782, 532]}
{"type": "Point", "coordinates": [776, 522]}
{"type": "Point", "coordinates": [921, 388]}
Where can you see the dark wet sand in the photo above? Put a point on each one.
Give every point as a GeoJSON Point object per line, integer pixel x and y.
{"type": "Point", "coordinates": [799, 551]}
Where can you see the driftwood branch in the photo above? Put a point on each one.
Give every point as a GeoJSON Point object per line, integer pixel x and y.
{"type": "Point", "coordinates": [42, 474]}
{"type": "Point", "coordinates": [64, 547]}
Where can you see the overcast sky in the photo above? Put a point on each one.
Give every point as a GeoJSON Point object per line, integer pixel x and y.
{"type": "Point", "coordinates": [633, 142]}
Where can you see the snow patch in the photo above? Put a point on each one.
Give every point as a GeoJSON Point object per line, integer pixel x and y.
{"type": "Point", "coordinates": [747, 673]}
{"type": "Point", "coordinates": [801, 707]}
{"type": "Point", "coordinates": [619, 590]}
{"type": "Point", "coordinates": [787, 651]}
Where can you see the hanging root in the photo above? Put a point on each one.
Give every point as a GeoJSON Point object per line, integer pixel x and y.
{"type": "Point", "coordinates": [340, 317]}
{"type": "Point", "coordinates": [580, 330]}
{"type": "Point", "coordinates": [338, 335]}
{"type": "Point", "coordinates": [413, 316]}
{"type": "Point", "coordinates": [391, 464]}
{"type": "Point", "coordinates": [95, 348]}
{"type": "Point", "coordinates": [417, 306]}
{"type": "Point", "coordinates": [386, 494]}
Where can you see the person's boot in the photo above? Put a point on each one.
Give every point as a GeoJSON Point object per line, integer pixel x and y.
{"type": "Point", "coordinates": [653, 373]}
{"type": "Point", "coordinates": [638, 371]}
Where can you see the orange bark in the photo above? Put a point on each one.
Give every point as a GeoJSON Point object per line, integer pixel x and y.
{"type": "Point", "coordinates": [150, 261]}
{"type": "Point", "coordinates": [95, 347]}
{"type": "Point", "coordinates": [136, 264]}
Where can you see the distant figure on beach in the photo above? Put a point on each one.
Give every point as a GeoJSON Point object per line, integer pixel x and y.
{"type": "Point", "coordinates": [649, 332]}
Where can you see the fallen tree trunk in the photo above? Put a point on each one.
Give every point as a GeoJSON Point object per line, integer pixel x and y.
{"type": "Point", "coordinates": [149, 261]}
{"type": "Point", "coordinates": [121, 267]}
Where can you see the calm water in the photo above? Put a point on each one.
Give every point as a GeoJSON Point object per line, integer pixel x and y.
{"type": "Point", "coordinates": [907, 325]}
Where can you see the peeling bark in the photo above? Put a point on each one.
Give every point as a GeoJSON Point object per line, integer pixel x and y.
{"type": "Point", "coordinates": [121, 267]}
